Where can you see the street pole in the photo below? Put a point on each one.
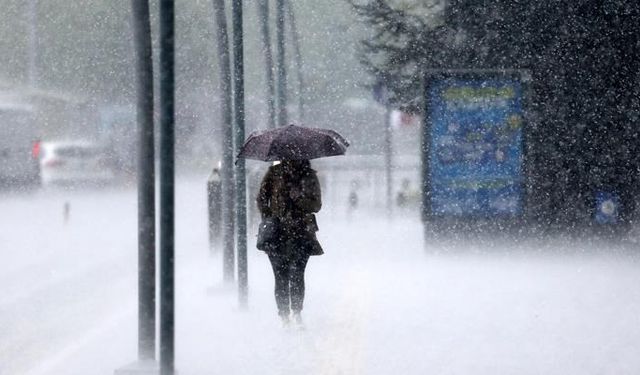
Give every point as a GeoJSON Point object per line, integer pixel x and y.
{"type": "Point", "coordinates": [241, 189]}
{"type": "Point", "coordinates": [228, 220]}
{"type": "Point", "coordinates": [263, 17]}
{"type": "Point", "coordinates": [298, 58]}
{"type": "Point", "coordinates": [146, 183]}
{"type": "Point", "coordinates": [281, 68]}
{"type": "Point", "coordinates": [32, 64]}
{"type": "Point", "coordinates": [388, 160]}
{"type": "Point", "coordinates": [381, 95]}
{"type": "Point", "coordinates": [167, 188]}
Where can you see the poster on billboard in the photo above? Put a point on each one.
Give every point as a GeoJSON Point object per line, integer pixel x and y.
{"type": "Point", "coordinates": [474, 145]}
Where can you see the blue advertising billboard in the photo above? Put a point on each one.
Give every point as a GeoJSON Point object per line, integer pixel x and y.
{"type": "Point", "coordinates": [475, 147]}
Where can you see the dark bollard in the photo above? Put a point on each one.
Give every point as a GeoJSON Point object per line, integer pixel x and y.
{"type": "Point", "coordinates": [214, 204]}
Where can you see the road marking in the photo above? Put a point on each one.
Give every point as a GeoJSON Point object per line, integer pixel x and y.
{"type": "Point", "coordinates": [52, 363]}
{"type": "Point", "coordinates": [342, 349]}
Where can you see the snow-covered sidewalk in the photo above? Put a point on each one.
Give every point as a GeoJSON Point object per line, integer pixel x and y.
{"type": "Point", "coordinates": [378, 303]}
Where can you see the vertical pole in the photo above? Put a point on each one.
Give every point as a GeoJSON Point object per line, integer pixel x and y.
{"type": "Point", "coordinates": [167, 191]}
{"type": "Point", "coordinates": [298, 58]}
{"type": "Point", "coordinates": [241, 189]}
{"type": "Point", "coordinates": [263, 16]}
{"type": "Point", "coordinates": [228, 223]}
{"type": "Point", "coordinates": [146, 183]}
{"type": "Point", "coordinates": [388, 161]}
{"type": "Point", "coordinates": [425, 148]}
{"type": "Point", "coordinates": [281, 68]}
{"type": "Point", "coordinates": [425, 157]}
{"type": "Point", "coordinates": [32, 64]}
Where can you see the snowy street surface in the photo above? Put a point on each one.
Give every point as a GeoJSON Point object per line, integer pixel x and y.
{"type": "Point", "coordinates": [377, 302]}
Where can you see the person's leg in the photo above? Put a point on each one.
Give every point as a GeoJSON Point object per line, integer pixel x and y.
{"type": "Point", "coordinates": [281, 267]}
{"type": "Point", "coordinates": [296, 278]}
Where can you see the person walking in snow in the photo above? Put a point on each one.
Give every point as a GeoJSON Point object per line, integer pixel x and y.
{"type": "Point", "coordinates": [290, 192]}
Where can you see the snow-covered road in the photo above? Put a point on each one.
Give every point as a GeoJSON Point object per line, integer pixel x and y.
{"type": "Point", "coordinates": [377, 303]}
{"type": "Point", "coordinates": [62, 279]}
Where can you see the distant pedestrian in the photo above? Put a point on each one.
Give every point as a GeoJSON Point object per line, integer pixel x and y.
{"type": "Point", "coordinates": [66, 212]}
{"type": "Point", "coordinates": [353, 195]}
{"type": "Point", "coordinates": [352, 199]}
{"type": "Point", "coordinates": [407, 196]}
{"type": "Point", "coordinates": [290, 193]}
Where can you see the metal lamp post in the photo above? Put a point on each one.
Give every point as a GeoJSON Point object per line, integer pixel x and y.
{"type": "Point", "coordinates": [167, 188]}
{"type": "Point", "coordinates": [241, 190]}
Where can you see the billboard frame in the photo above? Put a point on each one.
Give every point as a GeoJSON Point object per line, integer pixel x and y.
{"type": "Point", "coordinates": [432, 76]}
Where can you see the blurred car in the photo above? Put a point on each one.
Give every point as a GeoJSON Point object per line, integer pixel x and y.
{"type": "Point", "coordinates": [19, 146]}
{"type": "Point", "coordinates": [73, 162]}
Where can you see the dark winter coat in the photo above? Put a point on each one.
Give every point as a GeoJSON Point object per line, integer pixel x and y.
{"type": "Point", "coordinates": [293, 196]}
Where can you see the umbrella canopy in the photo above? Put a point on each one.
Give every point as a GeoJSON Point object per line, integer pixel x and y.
{"type": "Point", "coordinates": [293, 142]}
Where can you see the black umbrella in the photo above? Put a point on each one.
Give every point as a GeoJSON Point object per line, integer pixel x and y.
{"type": "Point", "coordinates": [293, 143]}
